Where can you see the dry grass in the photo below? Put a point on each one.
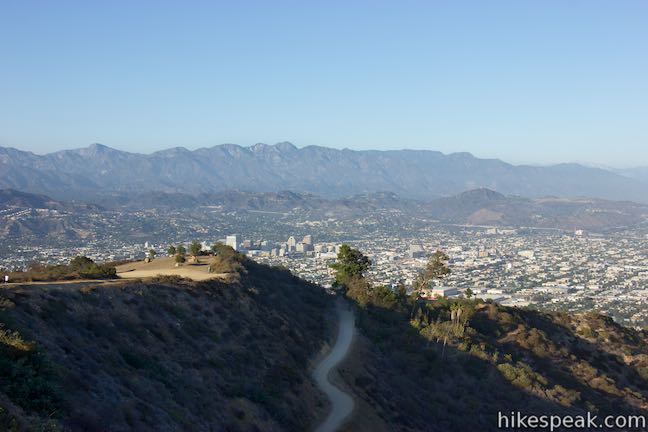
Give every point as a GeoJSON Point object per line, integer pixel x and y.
{"type": "Point", "coordinates": [14, 340]}
{"type": "Point", "coordinates": [173, 354]}
{"type": "Point", "coordinates": [166, 266]}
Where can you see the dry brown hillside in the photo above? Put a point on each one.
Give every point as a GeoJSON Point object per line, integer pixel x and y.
{"type": "Point", "coordinates": [162, 355]}
{"type": "Point", "coordinates": [451, 365]}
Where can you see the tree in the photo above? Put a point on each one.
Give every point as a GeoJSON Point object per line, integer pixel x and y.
{"type": "Point", "coordinates": [218, 247]}
{"type": "Point", "coordinates": [79, 262]}
{"type": "Point", "coordinates": [98, 271]}
{"type": "Point", "coordinates": [194, 248]}
{"type": "Point", "coordinates": [171, 251]}
{"type": "Point", "coordinates": [152, 253]}
{"type": "Point", "coordinates": [436, 268]}
{"type": "Point", "coordinates": [180, 259]}
{"type": "Point", "coordinates": [351, 263]}
{"type": "Point", "coordinates": [468, 293]}
{"type": "Point", "coordinates": [401, 292]}
{"type": "Point", "coordinates": [180, 250]}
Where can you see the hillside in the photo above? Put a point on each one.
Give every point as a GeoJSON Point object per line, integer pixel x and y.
{"type": "Point", "coordinates": [163, 355]}
{"type": "Point", "coordinates": [170, 354]}
{"type": "Point", "coordinates": [37, 218]}
{"type": "Point", "coordinates": [329, 172]}
{"type": "Point", "coordinates": [487, 207]}
{"type": "Point", "coordinates": [427, 367]}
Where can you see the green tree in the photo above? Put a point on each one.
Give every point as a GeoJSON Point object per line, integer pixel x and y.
{"type": "Point", "coordinates": [181, 251]}
{"type": "Point", "coordinates": [180, 259]}
{"type": "Point", "coordinates": [171, 251]}
{"type": "Point", "coordinates": [152, 253]}
{"type": "Point", "coordinates": [435, 269]}
{"type": "Point", "coordinates": [98, 271]}
{"type": "Point", "coordinates": [351, 263]}
{"type": "Point", "coordinates": [194, 248]}
{"type": "Point", "coordinates": [217, 247]}
{"type": "Point", "coordinates": [469, 293]}
{"type": "Point", "coordinates": [401, 292]}
{"type": "Point", "coordinates": [79, 262]}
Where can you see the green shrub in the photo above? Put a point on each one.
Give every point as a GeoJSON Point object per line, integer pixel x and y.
{"type": "Point", "coordinates": [80, 267]}
{"type": "Point", "coordinates": [26, 377]}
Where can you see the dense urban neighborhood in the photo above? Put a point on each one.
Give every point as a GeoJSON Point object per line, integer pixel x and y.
{"type": "Point", "coordinates": [552, 269]}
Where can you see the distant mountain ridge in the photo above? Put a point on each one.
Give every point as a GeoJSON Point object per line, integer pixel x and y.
{"type": "Point", "coordinates": [419, 174]}
{"type": "Point", "coordinates": [638, 173]}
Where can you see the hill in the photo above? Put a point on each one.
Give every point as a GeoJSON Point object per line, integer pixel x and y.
{"type": "Point", "coordinates": [11, 198]}
{"type": "Point", "coordinates": [170, 354]}
{"type": "Point", "coordinates": [418, 174]}
{"type": "Point", "coordinates": [35, 218]}
{"type": "Point", "coordinates": [452, 365]}
{"type": "Point", "coordinates": [487, 207]}
{"type": "Point", "coordinates": [163, 354]}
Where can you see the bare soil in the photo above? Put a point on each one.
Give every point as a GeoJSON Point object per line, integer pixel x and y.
{"type": "Point", "coordinates": [166, 266]}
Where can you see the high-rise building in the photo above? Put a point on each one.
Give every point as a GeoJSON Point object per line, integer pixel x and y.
{"type": "Point", "coordinates": [232, 241]}
{"type": "Point", "coordinates": [292, 243]}
{"type": "Point", "coordinates": [308, 239]}
{"type": "Point", "coordinates": [416, 251]}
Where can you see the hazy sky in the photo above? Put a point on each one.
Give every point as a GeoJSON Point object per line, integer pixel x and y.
{"type": "Point", "coordinates": [525, 81]}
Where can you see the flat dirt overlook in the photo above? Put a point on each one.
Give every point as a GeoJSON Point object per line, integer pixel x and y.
{"type": "Point", "coordinates": [166, 266]}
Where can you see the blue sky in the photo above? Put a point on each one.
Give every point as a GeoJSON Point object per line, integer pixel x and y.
{"type": "Point", "coordinates": [524, 81]}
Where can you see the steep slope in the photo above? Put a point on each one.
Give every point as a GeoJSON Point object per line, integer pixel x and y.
{"type": "Point", "coordinates": [166, 354]}
{"type": "Point", "coordinates": [428, 368]}
{"type": "Point", "coordinates": [419, 174]}
{"type": "Point", "coordinates": [170, 355]}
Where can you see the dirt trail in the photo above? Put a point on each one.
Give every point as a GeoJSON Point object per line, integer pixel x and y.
{"type": "Point", "coordinates": [342, 403]}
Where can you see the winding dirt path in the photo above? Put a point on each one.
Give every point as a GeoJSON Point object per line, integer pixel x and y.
{"type": "Point", "coordinates": [342, 403]}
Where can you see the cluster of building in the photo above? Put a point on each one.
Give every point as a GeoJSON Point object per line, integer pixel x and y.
{"type": "Point", "coordinates": [290, 248]}
{"type": "Point", "coordinates": [549, 269]}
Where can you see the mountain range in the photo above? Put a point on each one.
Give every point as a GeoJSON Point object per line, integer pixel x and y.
{"type": "Point", "coordinates": [97, 170]}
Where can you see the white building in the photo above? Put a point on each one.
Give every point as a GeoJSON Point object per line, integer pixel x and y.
{"type": "Point", "coordinates": [291, 243]}
{"type": "Point", "coordinates": [527, 254]}
{"type": "Point", "coordinates": [232, 241]}
{"type": "Point", "coordinates": [438, 291]}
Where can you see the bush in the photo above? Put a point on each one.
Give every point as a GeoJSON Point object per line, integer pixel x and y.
{"type": "Point", "coordinates": [226, 259]}
{"type": "Point", "coordinates": [521, 375]}
{"type": "Point", "coordinates": [80, 267]}
{"type": "Point", "coordinates": [98, 271]}
{"type": "Point", "coordinates": [26, 377]}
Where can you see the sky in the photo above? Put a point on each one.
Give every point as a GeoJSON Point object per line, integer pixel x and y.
{"type": "Point", "coordinates": [524, 81]}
